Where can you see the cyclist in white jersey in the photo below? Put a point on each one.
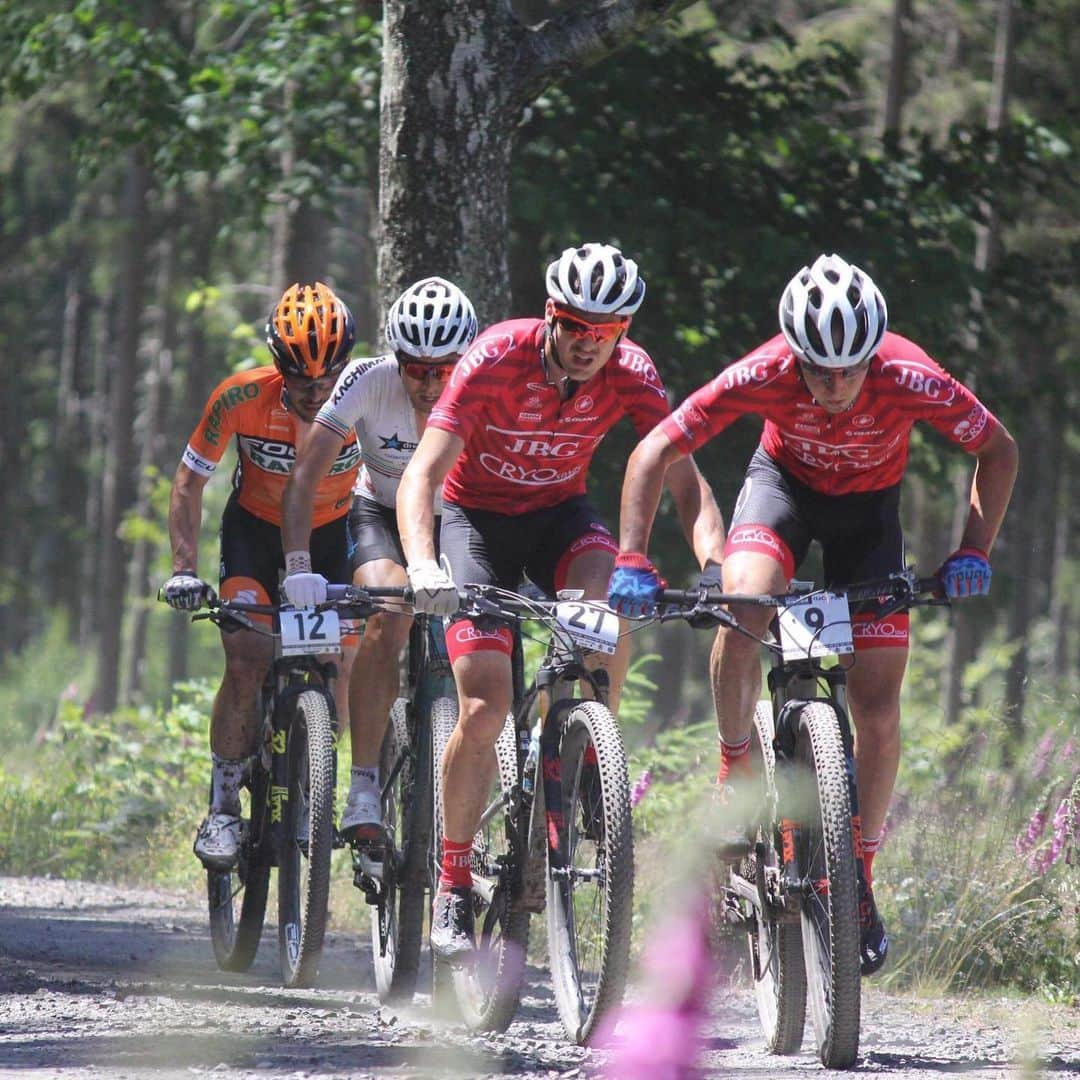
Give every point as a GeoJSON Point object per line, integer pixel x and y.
{"type": "Point", "coordinates": [387, 400]}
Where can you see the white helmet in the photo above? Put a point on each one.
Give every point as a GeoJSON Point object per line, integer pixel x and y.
{"type": "Point", "coordinates": [596, 278]}
{"type": "Point", "coordinates": [430, 319]}
{"type": "Point", "coordinates": [832, 314]}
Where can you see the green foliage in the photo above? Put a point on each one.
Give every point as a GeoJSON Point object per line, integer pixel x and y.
{"type": "Point", "coordinates": [109, 796]}
{"type": "Point", "coordinates": [31, 696]}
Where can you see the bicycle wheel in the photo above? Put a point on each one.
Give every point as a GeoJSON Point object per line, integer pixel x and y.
{"type": "Point", "coordinates": [237, 898]}
{"type": "Point", "coordinates": [590, 901]}
{"type": "Point", "coordinates": [443, 721]}
{"type": "Point", "coordinates": [397, 934]}
{"type": "Point", "coordinates": [776, 951]}
{"type": "Point", "coordinates": [307, 839]}
{"type": "Point", "coordinates": [489, 988]}
{"type": "Point", "coordinates": [830, 911]}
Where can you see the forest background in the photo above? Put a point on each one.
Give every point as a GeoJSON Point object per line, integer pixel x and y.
{"type": "Point", "coordinates": [167, 167]}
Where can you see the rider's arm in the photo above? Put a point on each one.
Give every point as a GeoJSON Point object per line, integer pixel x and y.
{"type": "Point", "coordinates": [185, 519]}
{"type": "Point", "coordinates": [700, 517]}
{"type": "Point", "coordinates": [431, 461]}
{"type": "Point", "coordinates": [314, 457]}
{"type": "Point", "coordinates": [653, 458]}
{"type": "Point", "coordinates": [991, 489]}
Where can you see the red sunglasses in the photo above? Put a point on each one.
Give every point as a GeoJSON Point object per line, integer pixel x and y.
{"type": "Point", "coordinates": [599, 332]}
{"type": "Point", "coordinates": [418, 370]}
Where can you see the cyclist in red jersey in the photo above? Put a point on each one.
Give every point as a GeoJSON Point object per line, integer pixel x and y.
{"type": "Point", "coordinates": [510, 440]}
{"type": "Point", "coordinates": [310, 333]}
{"type": "Point", "coordinates": [839, 396]}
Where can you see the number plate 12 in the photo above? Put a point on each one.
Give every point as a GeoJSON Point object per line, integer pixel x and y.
{"type": "Point", "coordinates": [815, 625]}
{"type": "Point", "coordinates": [305, 630]}
{"type": "Point", "coordinates": [593, 626]}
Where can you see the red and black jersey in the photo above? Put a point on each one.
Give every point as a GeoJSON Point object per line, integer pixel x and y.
{"type": "Point", "coordinates": [864, 448]}
{"type": "Point", "coordinates": [525, 448]}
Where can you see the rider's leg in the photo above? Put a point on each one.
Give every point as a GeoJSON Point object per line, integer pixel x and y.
{"type": "Point", "coordinates": [375, 678]}
{"type": "Point", "coordinates": [590, 572]}
{"type": "Point", "coordinates": [874, 683]}
{"type": "Point", "coordinates": [735, 662]}
{"type": "Point", "coordinates": [485, 690]}
{"type": "Point", "coordinates": [234, 719]}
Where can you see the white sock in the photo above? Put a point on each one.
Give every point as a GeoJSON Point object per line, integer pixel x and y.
{"type": "Point", "coordinates": [363, 777]}
{"type": "Point", "coordinates": [227, 776]}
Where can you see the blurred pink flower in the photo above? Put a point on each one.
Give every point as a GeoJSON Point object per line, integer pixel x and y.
{"type": "Point", "coordinates": [661, 1038]}
{"type": "Point", "coordinates": [641, 788]}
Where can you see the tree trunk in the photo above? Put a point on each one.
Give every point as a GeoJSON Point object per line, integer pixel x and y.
{"type": "Point", "coordinates": [456, 76]}
{"type": "Point", "coordinates": [119, 473]}
{"type": "Point", "coordinates": [150, 458]}
{"type": "Point", "coordinates": [895, 85]}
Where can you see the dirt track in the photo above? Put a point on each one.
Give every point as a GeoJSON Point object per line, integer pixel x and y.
{"type": "Point", "coordinates": [106, 982]}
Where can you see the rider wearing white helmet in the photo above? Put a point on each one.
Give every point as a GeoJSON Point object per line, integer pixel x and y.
{"type": "Point", "coordinates": [386, 400]}
{"type": "Point", "coordinates": [839, 395]}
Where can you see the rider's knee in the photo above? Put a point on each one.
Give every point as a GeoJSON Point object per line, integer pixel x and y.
{"type": "Point", "coordinates": [481, 720]}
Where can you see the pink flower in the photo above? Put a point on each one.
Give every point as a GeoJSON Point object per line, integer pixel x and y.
{"type": "Point", "coordinates": [641, 788]}
{"type": "Point", "coordinates": [1043, 753]}
{"type": "Point", "coordinates": [1034, 830]}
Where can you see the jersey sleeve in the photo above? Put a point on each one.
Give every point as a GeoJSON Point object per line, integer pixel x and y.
{"type": "Point", "coordinates": [345, 406]}
{"type": "Point", "coordinates": [640, 387]}
{"type": "Point", "coordinates": [931, 394]}
{"type": "Point", "coordinates": [217, 425]}
{"type": "Point", "coordinates": [475, 382]}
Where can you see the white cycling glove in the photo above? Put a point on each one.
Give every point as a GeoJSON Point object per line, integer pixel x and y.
{"type": "Point", "coordinates": [302, 588]}
{"type": "Point", "coordinates": [185, 592]}
{"type": "Point", "coordinates": [434, 591]}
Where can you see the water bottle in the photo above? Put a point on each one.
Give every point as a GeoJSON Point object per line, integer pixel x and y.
{"type": "Point", "coordinates": [531, 757]}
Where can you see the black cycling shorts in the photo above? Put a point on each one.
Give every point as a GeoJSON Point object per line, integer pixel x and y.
{"type": "Point", "coordinates": [487, 548]}
{"type": "Point", "coordinates": [251, 548]}
{"type": "Point", "coordinates": [374, 533]}
{"type": "Point", "coordinates": [860, 533]}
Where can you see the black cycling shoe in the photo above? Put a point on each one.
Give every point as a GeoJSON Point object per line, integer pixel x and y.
{"type": "Point", "coordinates": [874, 942]}
{"type": "Point", "coordinates": [452, 925]}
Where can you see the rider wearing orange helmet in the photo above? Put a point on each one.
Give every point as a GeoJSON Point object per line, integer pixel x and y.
{"type": "Point", "coordinates": [310, 334]}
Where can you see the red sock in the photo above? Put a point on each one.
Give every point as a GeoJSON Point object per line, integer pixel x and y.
{"type": "Point", "coordinates": [456, 865]}
{"type": "Point", "coordinates": [870, 845]}
{"type": "Point", "coordinates": [734, 759]}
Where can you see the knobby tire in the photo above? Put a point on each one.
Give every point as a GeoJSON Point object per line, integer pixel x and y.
{"type": "Point", "coordinates": [237, 898]}
{"type": "Point", "coordinates": [776, 950]}
{"type": "Point", "coordinates": [830, 914]}
{"type": "Point", "coordinates": [304, 879]}
{"type": "Point", "coordinates": [589, 919]}
{"type": "Point", "coordinates": [407, 816]}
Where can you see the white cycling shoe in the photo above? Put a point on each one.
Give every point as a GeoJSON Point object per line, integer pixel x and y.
{"type": "Point", "coordinates": [217, 843]}
{"type": "Point", "coordinates": [362, 819]}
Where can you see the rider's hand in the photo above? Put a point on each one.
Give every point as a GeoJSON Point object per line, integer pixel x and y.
{"type": "Point", "coordinates": [185, 592]}
{"type": "Point", "coordinates": [712, 577]}
{"type": "Point", "coordinates": [966, 572]}
{"type": "Point", "coordinates": [304, 589]}
{"type": "Point", "coordinates": [434, 591]}
{"type": "Point", "coordinates": [634, 585]}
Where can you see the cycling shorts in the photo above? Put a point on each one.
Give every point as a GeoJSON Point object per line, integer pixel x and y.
{"type": "Point", "coordinates": [860, 536]}
{"type": "Point", "coordinates": [488, 548]}
{"type": "Point", "coordinates": [374, 534]}
{"type": "Point", "coordinates": [253, 564]}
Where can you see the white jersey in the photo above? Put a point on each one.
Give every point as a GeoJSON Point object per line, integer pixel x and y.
{"type": "Point", "coordinates": [370, 397]}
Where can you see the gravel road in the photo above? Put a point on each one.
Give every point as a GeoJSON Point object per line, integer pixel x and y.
{"type": "Point", "coordinates": [111, 982]}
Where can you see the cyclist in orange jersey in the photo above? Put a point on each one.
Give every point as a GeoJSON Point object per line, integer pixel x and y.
{"type": "Point", "coordinates": [310, 333]}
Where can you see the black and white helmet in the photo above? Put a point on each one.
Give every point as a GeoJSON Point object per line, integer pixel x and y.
{"type": "Point", "coordinates": [832, 313]}
{"type": "Point", "coordinates": [596, 278]}
{"type": "Point", "coordinates": [432, 318]}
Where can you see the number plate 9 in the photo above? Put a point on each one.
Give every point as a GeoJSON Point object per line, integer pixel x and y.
{"type": "Point", "coordinates": [305, 630]}
{"type": "Point", "coordinates": [815, 625]}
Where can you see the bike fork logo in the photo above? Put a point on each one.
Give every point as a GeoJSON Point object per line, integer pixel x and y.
{"type": "Point", "coordinates": [277, 743]}
{"type": "Point", "coordinates": [278, 796]}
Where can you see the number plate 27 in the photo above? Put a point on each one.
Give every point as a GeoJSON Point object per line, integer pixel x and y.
{"type": "Point", "coordinates": [305, 630]}
{"type": "Point", "coordinates": [815, 625]}
{"type": "Point", "coordinates": [593, 626]}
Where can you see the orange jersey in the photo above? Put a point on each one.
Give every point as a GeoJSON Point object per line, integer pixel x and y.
{"type": "Point", "coordinates": [251, 406]}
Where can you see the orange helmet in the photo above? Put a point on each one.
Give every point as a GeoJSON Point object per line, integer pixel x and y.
{"type": "Point", "coordinates": [310, 331]}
